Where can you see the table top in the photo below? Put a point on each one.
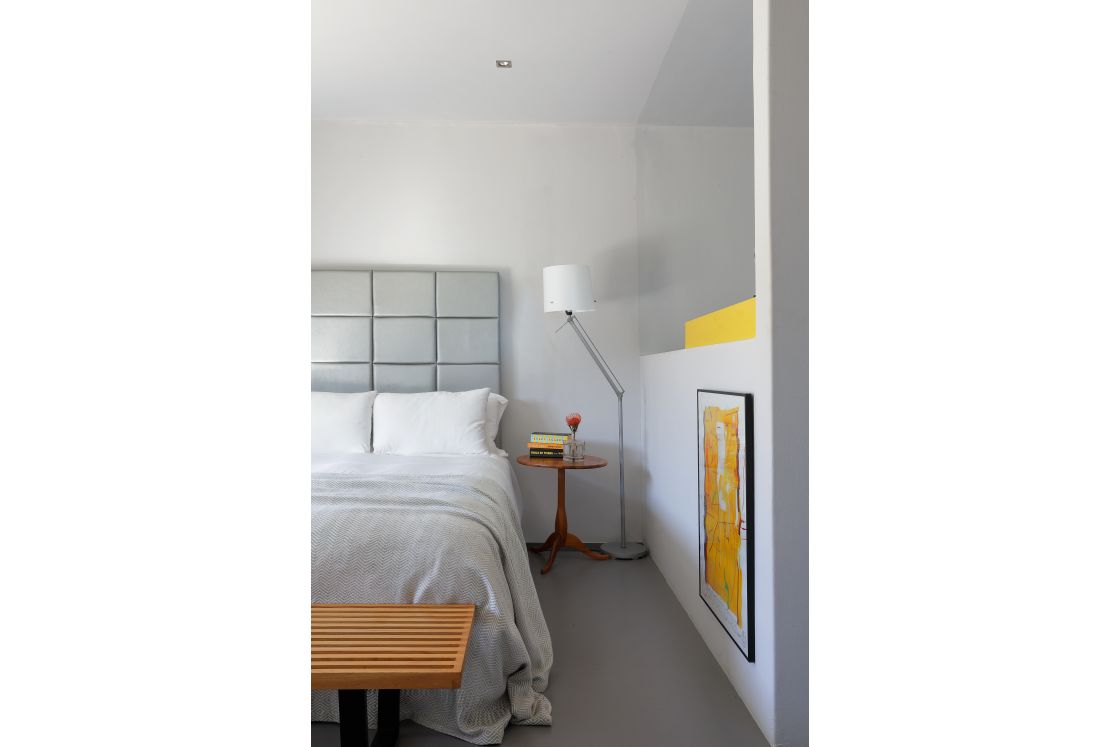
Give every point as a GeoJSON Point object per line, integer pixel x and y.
{"type": "Point", "coordinates": [589, 462]}
{"type": "Point", "coordinates": [374, 646]}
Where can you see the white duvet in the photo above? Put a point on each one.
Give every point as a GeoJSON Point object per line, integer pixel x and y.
{"type": "Point", "coordinates": [437, 529]}
{"type": "Point", "coordinates": [496, 468]}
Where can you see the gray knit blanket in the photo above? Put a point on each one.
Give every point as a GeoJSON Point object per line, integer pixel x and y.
{"type": "Point", "coordinates": [438, 540]}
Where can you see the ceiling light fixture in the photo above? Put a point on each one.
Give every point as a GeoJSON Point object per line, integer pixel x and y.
{"type": "Point", "coordinates": [504, 63]}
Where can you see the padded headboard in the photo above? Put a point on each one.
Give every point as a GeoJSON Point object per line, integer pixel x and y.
{"type": "Point", "coordinates": [404, 331]}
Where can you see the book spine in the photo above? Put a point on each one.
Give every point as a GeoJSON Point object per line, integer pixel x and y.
{"type": "Point", "coordinates": [535, 445]}
{"type": "Point", "coordinates": [546, 453]}
{"type": "Point", "coordinates": [549, 438]}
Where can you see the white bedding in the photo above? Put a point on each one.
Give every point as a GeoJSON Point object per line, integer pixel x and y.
{"type": "Point", "coordinates": [437, 529]}
{"type": "Point", "coordinates": [494, 467]}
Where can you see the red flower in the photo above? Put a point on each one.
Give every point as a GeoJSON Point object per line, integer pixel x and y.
{"type": "Point", "coordinates": [573, 420]}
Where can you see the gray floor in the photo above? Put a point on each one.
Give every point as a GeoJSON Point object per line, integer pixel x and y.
{"type": "Point", "coordinates": [629, 668]}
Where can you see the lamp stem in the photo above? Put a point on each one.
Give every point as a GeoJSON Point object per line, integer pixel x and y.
{"type": "Point", "coordinates": [621, 474]}
{"type": "Point", "coordinates": [621, 550]}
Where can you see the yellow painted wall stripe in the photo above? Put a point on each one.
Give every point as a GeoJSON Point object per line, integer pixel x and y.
{"type": "Point", "coordinates": [734, 322]}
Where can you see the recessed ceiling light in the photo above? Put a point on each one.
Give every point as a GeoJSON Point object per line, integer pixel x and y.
{"type": "Point", "coordinates": [504, 63]}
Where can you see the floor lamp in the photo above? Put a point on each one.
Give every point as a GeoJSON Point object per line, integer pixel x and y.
{"type": "Point", "coordinates": [567, 288]}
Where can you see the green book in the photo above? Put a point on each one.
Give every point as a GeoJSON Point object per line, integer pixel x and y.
{"type": "Point", "coordinates": [549, 438]}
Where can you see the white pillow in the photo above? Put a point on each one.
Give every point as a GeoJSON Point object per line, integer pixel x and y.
{"type": "Point", "coordinates": [341, 423]}
{"type": "Point", "coordinates": [495, 407]}
{"type": "Point", "coordinates": [431, 423]}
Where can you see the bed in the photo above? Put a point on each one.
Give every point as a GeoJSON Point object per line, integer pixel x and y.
{"type": "Point", "coordinates": [389, 528]}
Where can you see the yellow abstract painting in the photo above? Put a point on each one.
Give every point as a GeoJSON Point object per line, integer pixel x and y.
{"type": "Point", "coordinates": [722, 520]}
{"type": "Point", "coordinates": [726, 515]}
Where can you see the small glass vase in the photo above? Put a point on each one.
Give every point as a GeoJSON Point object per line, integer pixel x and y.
{"type": "Point", "coordinates": [574, 450]}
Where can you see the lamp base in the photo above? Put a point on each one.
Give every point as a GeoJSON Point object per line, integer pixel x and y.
{"type": "Point", "coordinates": [629, 551]}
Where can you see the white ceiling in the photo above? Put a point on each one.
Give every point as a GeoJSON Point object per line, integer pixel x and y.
{"type": "Point", "coordinates": [573, 60]}
{"type": "Point", "coordinates": [705, 78]}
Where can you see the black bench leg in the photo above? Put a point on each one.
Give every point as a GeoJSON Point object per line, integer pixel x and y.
{"type": "Point", "coordinates": [388, 718]}
{"type": "Point", "coordinates": [353, 728]}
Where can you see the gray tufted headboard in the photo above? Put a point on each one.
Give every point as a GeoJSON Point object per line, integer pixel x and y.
{"type": "Point", "coordinates": [404, 331]}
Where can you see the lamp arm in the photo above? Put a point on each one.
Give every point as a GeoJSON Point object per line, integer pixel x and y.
{"type": "Point", "coordinates": [616, 385]}
{"type": "Point", "coordinates": [596, 356]}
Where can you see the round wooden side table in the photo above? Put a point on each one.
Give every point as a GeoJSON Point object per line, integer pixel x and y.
{"type": "Point", "coordinates": [562, 537]}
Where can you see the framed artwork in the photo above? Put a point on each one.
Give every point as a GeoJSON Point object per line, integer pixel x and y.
{"type": "Point", "coordinates": [725, 442]}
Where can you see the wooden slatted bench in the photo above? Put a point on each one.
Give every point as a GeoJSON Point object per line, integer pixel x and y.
{"type": "Point", "coordinates": [385, 647]}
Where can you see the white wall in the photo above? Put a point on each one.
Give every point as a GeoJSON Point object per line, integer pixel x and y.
{"type": "Point", "coordinates": [705, 75]}
{"type": "Point", "coordinates": [775, 686]}
{"type": "Point", "coordinates": [669, 384]}
{"type": "Point", "coordinates": [695, 226]}
{"type": "Point", "coordinates": [511, 198]}
{"type": "Point", "coordinates": [686, 207]}
{"type": "Point", "coordinates": [789, 229]}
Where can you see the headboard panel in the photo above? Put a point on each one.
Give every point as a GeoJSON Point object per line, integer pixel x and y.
{"type": "Point", "coordinates": [404, 331]}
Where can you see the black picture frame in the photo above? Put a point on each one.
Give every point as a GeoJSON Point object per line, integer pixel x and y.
{"type": "Point", "coordinates": [747, 486]}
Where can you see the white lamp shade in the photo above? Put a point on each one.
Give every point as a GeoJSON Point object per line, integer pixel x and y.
{"type": "Point", "coordinates": [568, 288]}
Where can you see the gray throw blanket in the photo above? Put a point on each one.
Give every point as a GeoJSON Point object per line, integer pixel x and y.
{"type": "Point", "coordinates": [438, 540]}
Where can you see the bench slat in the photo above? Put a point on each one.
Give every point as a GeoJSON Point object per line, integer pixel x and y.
{"type": "Point", "coordinates": [389, 646]}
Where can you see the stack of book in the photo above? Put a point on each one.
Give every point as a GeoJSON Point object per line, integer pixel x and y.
{"type": "Point", "coordinates": [548, 445]}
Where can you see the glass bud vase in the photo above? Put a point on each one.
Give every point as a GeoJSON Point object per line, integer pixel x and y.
{"type": "Point", "coordinates": [574, 450]}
